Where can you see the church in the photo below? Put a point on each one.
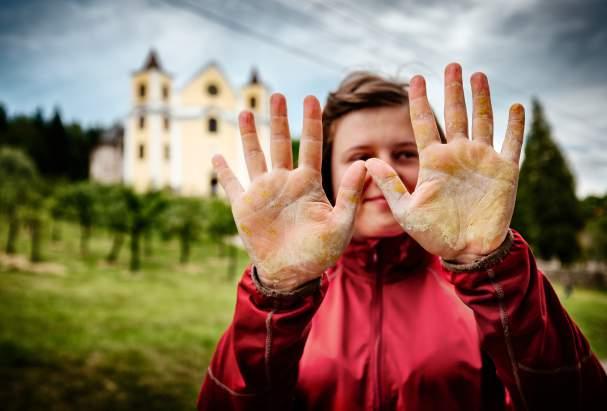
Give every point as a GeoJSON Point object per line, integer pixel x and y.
{"type": "Point", "coordinates": [171, 135]}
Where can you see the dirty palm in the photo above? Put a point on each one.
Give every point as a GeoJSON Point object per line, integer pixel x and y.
{"type": "Point", "coordinates": [460, 209]}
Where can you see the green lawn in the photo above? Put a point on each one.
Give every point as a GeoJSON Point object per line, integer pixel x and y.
{"type": "Point", "coordinates": [98, 337]}
{"type": "Point", "coordinates": [102, 338]}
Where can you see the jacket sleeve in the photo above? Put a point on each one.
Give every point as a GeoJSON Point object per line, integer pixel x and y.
{"type": "Point", "coordinates": [255, 364]}
{"type": "Point", "coordinates": [539, 353]}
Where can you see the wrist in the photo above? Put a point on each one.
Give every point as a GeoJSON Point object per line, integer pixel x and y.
{"type": "Point", "coordinates": [265, 289]}
{"type": "Point", "coordinates": [483, 262]}
{"type": "Point", "coordinates": [285, 281]}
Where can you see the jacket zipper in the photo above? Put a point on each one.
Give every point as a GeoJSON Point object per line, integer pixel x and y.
{"type": "Point", "coordinates": [378, 308]}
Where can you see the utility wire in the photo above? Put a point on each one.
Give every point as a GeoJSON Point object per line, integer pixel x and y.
{"type": "Point", "coordinates": [333, 65]}
{"type": "Point", "coordinates": [369, 20]}
{"type": "Point", "coordinates": [238, 27]}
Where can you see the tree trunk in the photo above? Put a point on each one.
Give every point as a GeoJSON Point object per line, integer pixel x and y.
{"type": "Point", "coordinates": [56, 231]}
{"type": "Point", "coordinates": [116, 247]}
{"type": "Point", "coordinates": [13, 231]}
{"type": "Point", "coordinates": [36, 237]}
{"type": "Point", "coordinates": [134, 265]}
{"type": "Point", "coordinates": [147, 243]}
{"type": "Point", "coordinates": [184, 240]}
{"type": "Point", "coordinates": [85, 234]}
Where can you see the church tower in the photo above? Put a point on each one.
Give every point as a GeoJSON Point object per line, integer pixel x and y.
{"type": "Point", "coordinates": [147, 148]}
{"type": "Point", "coordinates": [255, 95]}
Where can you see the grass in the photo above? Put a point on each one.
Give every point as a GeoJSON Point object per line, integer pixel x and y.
{"type": "Point", "coordinates": [100, 338]}
{"type": "Point", "coordinates": [94, 336]}
{"type": "Point", "coordinates": [588, 308]}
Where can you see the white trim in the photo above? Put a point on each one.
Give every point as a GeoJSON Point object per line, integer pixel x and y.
{"type": "Point", "coordinates": [129, 142]}
{"type": "Point", "coordinates": [176, 157]}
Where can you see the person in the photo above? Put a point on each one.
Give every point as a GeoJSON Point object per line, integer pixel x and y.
{"type": "Point", "coordinates": [384, 274]}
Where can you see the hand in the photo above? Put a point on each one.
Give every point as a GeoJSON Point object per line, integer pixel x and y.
{"type": "Point", "coordinates": [463, 202]}
{"type": "Point", "coordinates": [290, 229]}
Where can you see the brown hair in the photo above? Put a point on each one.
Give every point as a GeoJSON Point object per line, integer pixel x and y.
{"type": "Point", "coordinates": [359, 90]}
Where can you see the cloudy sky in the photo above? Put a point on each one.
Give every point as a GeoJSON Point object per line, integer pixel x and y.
{"type": "Point", "coordinates": [78, 55]}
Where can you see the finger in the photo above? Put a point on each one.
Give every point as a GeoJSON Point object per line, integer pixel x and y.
{"type": "Point", "coordinates": [280, 138]}
{"type": "Point", "coordinates": [348, 197]}
{"type": "Point", "coordinates": [253, 154]}
{"type": "Point", "coordinates": [482, 113]}
{"type": "Point", "coordinates": [456, 117]}
{"type": "Point", "coordinates": [422, 117]}
{"type": "Point", "coordinates": [388, 182]}
{"type": "Point", "coordinates": [310, 150]}
{"type": "Point", "coordinates": [226, 178]}
{"type": "Point", "coordinates": [511, 148]}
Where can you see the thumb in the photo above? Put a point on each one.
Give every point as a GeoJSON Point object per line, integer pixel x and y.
{"type": "Point", "coordinates": [348, 197]}
{"type": "Point", "coordinates": [389, 183]}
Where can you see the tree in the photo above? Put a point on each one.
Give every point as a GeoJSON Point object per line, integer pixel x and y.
{"type": "Point", "coordinates": [3, 121]}
{"type": "Point", "coordinates": [17, 176]}
{"type": "Point", "coordinates": [143, 210]}
{"type": "Point", "coordinates": [220, 226]}
{"type": "Point", "coordinates": [58, 150]}
{"type": "Point", "coordinates": [79, 203]}
{"type": "Point", "coordinates": [35, 215]}
{"type": "Point", "coordinates": [184, 218]}
{"type": "Point", "coordinates": [114, 216]}
{"type": "Point", "coordinates": [547, 212]}
{"type": "Point", "coordinates": [58, 146]}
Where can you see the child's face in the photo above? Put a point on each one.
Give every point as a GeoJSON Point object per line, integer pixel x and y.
{"type": "Point", "coordinates": [385, 133]}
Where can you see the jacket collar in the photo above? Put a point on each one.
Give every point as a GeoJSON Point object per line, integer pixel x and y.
{"type": "Point", "coordinates": [390, 257]}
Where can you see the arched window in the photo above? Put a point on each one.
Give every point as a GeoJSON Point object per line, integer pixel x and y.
{"type": "Point", "coordinates": [141, 122]}
{"type": "Point", "coordinates": [141, 90]}
{"type": "Point", "coordinates": [252, 102]}
{"type": "Point", "coordinates": [167, 152]}
{"type": "Point", "coordinates": [165, 92]}
{"type": "Point", "coordinates": [141, 151]}
{"type": "Point", "coordinates": [212, 125]}
{"type": "Point", "coordinates": [212, 89]}
{"type": "Point", "coordinates": [213, 185]}
{"type": "Point", "coordinates": [167, 123]}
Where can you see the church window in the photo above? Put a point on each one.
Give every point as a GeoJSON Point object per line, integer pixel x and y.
{"type": "Point", "coordinates": [165, 92]}
{"type": "Point", "coordinates": [252, 102]}
{"type": "Point", "coordinates": [167, 152]}
{"type": "Point", "coordinates": [167, 123]}
{"type": "Point", "coordinates": [213, 185]}
{"type": "Point", "coordinates": [212, 89]}
{"type": "Point", "coordinates": [212, 125]}
{"type": "Point", "coordinates": [141, 151]}
{"type": "Point", "coordinates": [141, 122]}
{"type": "Point", "coordinates": [142, 90]}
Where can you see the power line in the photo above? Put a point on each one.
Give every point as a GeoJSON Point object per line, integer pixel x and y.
{"type": "Point", "coordinates": [559, 110]}
{"type": "Point", "coordinates": [238, 27]}
{"type": "Point", "coordinates": [331, 64]}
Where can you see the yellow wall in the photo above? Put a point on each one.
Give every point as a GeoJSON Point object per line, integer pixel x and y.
{"type": "Point", "coordinates": [195, 93]}
{"type": "Point", "coordinates": [189, 111]}
{"type": "Point", "coordinates": [143, 78]}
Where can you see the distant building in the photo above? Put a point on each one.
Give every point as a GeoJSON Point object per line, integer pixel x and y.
{"type": "Point", "coordinates": [170, 136]}
{"type": "Point", "coordinates": [106, 158]}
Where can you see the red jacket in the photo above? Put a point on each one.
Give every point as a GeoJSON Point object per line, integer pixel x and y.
{"type": "Point", "coordinates": [391, 328]}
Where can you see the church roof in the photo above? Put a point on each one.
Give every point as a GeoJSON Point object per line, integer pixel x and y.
{"type": "Point", "coordinates": [152, 62]}
{"type": "Point", "coordinates": [254, 76]}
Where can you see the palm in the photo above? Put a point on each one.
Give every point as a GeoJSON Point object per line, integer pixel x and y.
{"type": "Point", "coordinates": [291, 231]}
{"type": "Point", "coordinates": [295, 230]}
{"type": "Point", "coordinates": [463, 191]}
{"type": "Point", "coordinates": [465, 194]}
